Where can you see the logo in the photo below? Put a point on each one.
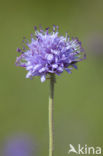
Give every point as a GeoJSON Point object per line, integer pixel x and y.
{"type": "Point", "coordinates": [84, 149]}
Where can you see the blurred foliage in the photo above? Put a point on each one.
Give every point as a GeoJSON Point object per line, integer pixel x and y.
{"type": "Point", "coordinates": [78, 108]}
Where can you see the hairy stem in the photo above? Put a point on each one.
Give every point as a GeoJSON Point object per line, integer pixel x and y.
{"type": "Point", "coordinates": [51, 129]}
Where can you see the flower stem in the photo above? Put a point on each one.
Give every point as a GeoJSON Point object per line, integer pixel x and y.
{"type": "Point", "coordinates": [51, 129]}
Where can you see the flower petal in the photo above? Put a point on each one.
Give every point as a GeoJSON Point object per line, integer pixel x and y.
{"type": "Point", "coordinates": [43, 78]}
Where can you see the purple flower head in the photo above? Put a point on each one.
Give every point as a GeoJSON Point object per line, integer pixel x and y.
{"type": "Point", "coordinates": [49, 53]}
{"type": "Point", "coordinates": [19, 146]}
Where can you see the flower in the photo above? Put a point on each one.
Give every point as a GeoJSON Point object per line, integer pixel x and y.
{"type": "Point", "coordinates": [20, 145]}
{"type": "Point", "coordinates": [49, 53]}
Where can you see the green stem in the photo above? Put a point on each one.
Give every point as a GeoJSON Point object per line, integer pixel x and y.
{"type": "Point", "coordinates": [51, 100]}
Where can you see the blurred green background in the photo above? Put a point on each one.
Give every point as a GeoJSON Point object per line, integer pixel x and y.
{"type": "Point", "coordinates": [78, 108]}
